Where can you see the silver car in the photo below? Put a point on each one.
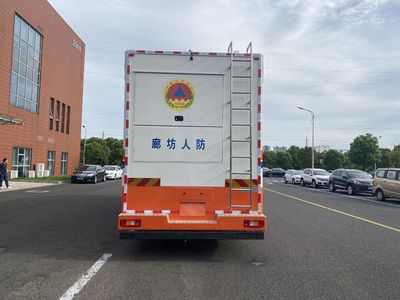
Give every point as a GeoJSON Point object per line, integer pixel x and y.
{"type": "Point", "coordinates": [315, 177]}
{"type": "Point", "coordinates": [293, 176]}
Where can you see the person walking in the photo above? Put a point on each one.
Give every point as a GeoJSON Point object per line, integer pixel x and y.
{"type": "Point", "coordinates": [3, 174]}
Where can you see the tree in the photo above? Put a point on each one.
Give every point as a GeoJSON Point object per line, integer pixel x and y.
{"type": "Point", "coordinates": [269, 159]}
{"type": "Point", "coordinates": [115, 147]}
{"type": "Point", "coordinates": [395, 156]}
{"type": "Point", "coordinates": [294, 152]}
{"type": "Point", "coordinates": [333, 160]}
{"type": "Point", "coordinates": [283, 160]}
{"type": "Point", "coordinates": [364, 151]}
{"type": "Point", "coordinates": [304, 158]}
{"type": "Point", "coordinates": [385, 160]}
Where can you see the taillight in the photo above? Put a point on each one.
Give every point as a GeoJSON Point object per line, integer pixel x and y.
{"type": "Point", "coordinates": [131, 223]}
{"type": "Point", "coordinates": [253, 223]}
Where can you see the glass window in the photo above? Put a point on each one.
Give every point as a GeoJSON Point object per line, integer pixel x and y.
{"type": "Point", "coordinates": [57, 116]}
{"type": "Point", "coordinates": [68, 118]}
{"type": "Point", "coordinates": [51, 114]}
{"type": "Point", "coordinates": [62, 118]}
{"type": "Point", "coordinates": [22, 161]}
{"type": "Point", "coordinates": [380, 173]}
{"type": "Point", "coordinates": [25, 66]}
{"type": "Point", "coordinates": [64, 163]}
{"type": "Point", "coordinates": [391, 175]}
{"type": "Point", "coordinates": [51, 155]}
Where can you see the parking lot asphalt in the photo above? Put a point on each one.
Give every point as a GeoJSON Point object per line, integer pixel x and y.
{"type": "Point", "coordinates": [318, 245]}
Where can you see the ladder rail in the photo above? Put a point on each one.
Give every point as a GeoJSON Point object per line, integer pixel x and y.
{"type": "Point", "coordinates": [249, 50]}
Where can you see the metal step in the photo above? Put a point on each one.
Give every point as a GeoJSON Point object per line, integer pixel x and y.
{"type": "Point", "coordinates": [241, 141]}
{"type": "Point", "coordinates": [242, 60]}
{"type": "Point", "coordinates": [241, 124]}
{"type": "Point", "coordinates": [241, 108]}
{"type": "Point", "coordinates": [241, 76]}
{"type": "Point", "coordinates": [241, 189]}
{"type": "Point", "coordinates": [240, 206]}
{"type": "Point", "coordinates": [241, 93]}
{"type": "Point", "coordinates": [241, 173]}
{"type": "Point", "coordinates": [241, 156]}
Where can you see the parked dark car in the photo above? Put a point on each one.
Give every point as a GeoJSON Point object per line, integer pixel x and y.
{"type": "Point", "coordinates": [266, 172]}
{"type": "Point", "coordinates": [353, 181]}
{"type": "Point", "coordinates": [89, 173]}
{"type": "Point", "coordinates": [276, 172]}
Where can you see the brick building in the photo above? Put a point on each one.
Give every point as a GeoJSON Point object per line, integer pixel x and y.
{"type": "Point", "coordinates": [41, 86]}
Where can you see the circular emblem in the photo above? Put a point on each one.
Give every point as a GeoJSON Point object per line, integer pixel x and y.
{"type": "Point", "coordinates": [179, 95]}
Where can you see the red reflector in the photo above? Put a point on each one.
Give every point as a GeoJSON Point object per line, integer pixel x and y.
{"type": "Point", "coordinates": [130, 223]}
{"type": "Point", "coordinates": [253, 224]}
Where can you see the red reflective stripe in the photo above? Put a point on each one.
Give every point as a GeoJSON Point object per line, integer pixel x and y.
{"type": "Point", "coordinates": [258, 180]}
{"type": "Point", "coordinates": [131, 54]}
{"type": "Point", "coordinates": [125, 179]}
{"type": "Point", "coordinates": [259, 73]}
{"type": "Point", "coordinates": [259, 108]}
{"type": "Point", "coordinates": [139, 211]}
{"type": "Point", "coordinates": [128, 69]}
{"type": "Point", "coordinates": [144, 181]}
{"type": "Point", "coordinates": [140, 51]}
{"type": "Point", "coordinates": [227, 183]}
{"type": "Point", "coordinates": [157, 211]}
{"type": "Point", "coordinates": [158, 182]}
{"type": "Point", "coordinates": [212, 53]}
{"type": "Point", "coordinates": [247, 54]}
{"type": "Point", "coordinates": [159, 52]}
{"type": "Point", "coordinates": [177, 52]}
{"type": "Point", "coordinates": [259, 198]}
{"type": "Point", "coordinates": [259, 161]}
{"type": "Point", "coordinates": [127, 87]}
{"type": "Point", "coordinates": [259, 144]}
{"type": "Point", "coordinates": [127, 105]}
{"type": "Point", "coordinates": [124, 198]}
{"type": "Point", "coordinates": [195, 53]}
{"type": "Point", "coordinates": [126, 124]}
{"type": "Point", "coordinates": [126, 161]}
{"type": "Point", "coordinates": [259, 90]}
{"type": "Point", "coordinates": [259, 126]}
{"type": "Point", "coordinates": [126, 142]}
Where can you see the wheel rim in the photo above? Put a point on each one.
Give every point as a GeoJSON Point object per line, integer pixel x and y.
{"type": "Point", "coordinates": [95, 180]}
{"type": "Point", "coordinates": [292, 181]}
{"type": "Point", "coordinates": [331, 187]}
{"type": "Point", "coordinates": [314, 184]}
{"type": "Point", "coordinates": [380, 195]}
{"type": "Point", "coordinates": [350, 190]}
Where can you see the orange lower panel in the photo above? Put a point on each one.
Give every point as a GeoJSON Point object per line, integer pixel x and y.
{"type": "Point", "coordinates": [216, 222]}
{"type": "Point", "coordinates": [157, 198]}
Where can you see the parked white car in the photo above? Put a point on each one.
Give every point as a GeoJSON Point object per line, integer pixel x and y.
{"type": "Point", "coordinates": [315, 177]}
{"type": "Point", "coordinates": [113, 172]}
{"type": "Point", "coordinates": [292, 176]}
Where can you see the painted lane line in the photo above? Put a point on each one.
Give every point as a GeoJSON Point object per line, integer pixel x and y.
{"type": "Point", "coordinates": [78, 286]}
{"type": "Point", "coordinates": [355, 197]}
{"type": "Point", "coordinates": [336, 211]}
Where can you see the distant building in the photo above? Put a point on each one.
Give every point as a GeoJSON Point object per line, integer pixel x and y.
{"type": "Point", "coordinates": [322, 148]}
{"type": "Point", "coordinates": [280, 149]}
{"type": "Point", "coordinates": [41, 88]}
{"type": "Point", "coordinates": [266, 148]}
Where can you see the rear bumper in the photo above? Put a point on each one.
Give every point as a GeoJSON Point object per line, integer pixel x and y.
{"type": "Point", "coordinates": [190, 235]}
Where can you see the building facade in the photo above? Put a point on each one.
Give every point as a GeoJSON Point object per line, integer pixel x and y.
{"type": "Point", "coordinates": [41, 86]}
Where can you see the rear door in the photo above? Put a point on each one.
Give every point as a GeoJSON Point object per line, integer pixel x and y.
{"type": "Point", "coordinates": [391, 183]}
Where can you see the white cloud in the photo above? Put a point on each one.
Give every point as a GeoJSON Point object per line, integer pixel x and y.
{"type": "Point", "coordinates": [325, 55]}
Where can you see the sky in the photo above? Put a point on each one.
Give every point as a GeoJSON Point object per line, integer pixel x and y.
{"type": "Point", "coordinates": [339, 58]}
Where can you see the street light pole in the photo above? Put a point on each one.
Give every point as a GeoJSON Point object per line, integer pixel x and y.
{"type": "Point", "coordinates": [84, 146]}
{"type": "Point", "coordinates": [312, 142]}
{"type": "Point", "coordinates": [378, 147]}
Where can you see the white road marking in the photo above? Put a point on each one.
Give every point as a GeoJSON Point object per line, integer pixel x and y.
{"type": "Point", "coordinates": [37, 191]}
{"type": "Point", "coordinates": [355, 197]}
{"type": "Point", "coordinates": [78, 286]}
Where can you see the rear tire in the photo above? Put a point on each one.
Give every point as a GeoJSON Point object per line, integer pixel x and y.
{"type": "Point", "coordinates": [302, 182]}
{"type": "Point", "coordinates": [380, 195]}
{"type": "Point", "coordinates": [332, 187]}
{"type": "Point", "coordinates": [293, 182]}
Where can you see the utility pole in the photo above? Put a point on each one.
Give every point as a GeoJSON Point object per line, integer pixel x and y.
{"type": "Point", "coordinates": [312, 138]}
{"type": "Point", "coordinates": [306, 141]}
{"type": "Point", "coordinates": [84, 146]}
